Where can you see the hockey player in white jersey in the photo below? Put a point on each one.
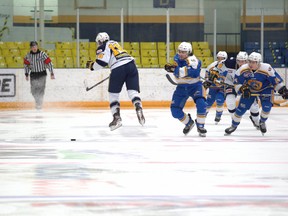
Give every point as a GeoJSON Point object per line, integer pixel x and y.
{"type": "Point", "coordinates": [216, 71]}
{"type": "Point", "coordinates": [258, 78]}
{"type": "Point", "coordinates": [123, 70]}
{"type": "Point", "coordinates": [231, 95]}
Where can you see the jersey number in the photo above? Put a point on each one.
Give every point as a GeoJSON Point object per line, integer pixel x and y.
{"type": "Point", "coordinates": [118, 51]}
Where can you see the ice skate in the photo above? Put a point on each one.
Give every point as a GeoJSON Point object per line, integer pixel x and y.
{"type": "Point", "coordinates": [217, 119]}
{"type": "Point", "coordinates": [139, 112]}
{"type": "Point", "coordinates": [117, 121]}
{"type": "Point", "coordinates": [230, 130]}
{"type": "Point", "coordinates": [188, 127]}
{"type": "Point", "coordinates": [201, 130]}
{"type": "Point", "coordinates": [262, 127]}
{"type": "Point", "coordinates": [254, 123]}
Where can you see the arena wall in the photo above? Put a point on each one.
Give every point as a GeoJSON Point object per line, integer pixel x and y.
{"type": "Point", "coordinates": [68, 89]}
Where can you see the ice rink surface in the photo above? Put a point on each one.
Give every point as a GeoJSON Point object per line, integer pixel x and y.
{"type": "Point", "coordinates": [152, 170]}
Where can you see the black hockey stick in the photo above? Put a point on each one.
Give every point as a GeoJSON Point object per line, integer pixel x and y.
{"type": "Point", "coordinates": [171, 80]}
{"type": "Point", "coordinates": [281, 104]}
{"type": "Point", "coordinates": [89, 88]}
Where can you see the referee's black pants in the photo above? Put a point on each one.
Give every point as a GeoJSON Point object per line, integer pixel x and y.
{"type": "Point", "coordinates": [38, 84]}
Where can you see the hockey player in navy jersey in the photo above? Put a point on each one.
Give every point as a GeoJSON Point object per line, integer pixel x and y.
{"type": "Point", "coordinates": [230, 93]}
{"type": "Point", "coordinates": [258, 78]}
{"type": "Point", "coordinates": [186, 70]}
{"type": "Point", "coordinates": [216, 71]}
{"type": "Point", "coordinates": [123, 70]}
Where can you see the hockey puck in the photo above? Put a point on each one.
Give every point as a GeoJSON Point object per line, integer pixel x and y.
{"type": "Point", "coordinates": [73, 139]}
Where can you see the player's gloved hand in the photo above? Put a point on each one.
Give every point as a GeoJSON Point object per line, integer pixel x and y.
{"type": "Point", "coordinates": [214, 75]}
{"type": "Point", "coordinates": [284, 92]}
{"type": "Point", "coordinates": [207, 84]}
{"type": "Point", "coordinates": [89, 64]}
{"type": "Point", "coordinates": [169, 67]}
{"type": "Point", "coordinates": [245, 91]}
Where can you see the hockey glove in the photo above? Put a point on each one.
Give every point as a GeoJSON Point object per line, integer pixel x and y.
{"type": "Point", "coordinates": [169, 67]}
{"type": "Point", "coordinates": [214, 75]}
{"type": "Point", "coordinates": [89, 64]}
{"type": "Point", "coordinates": [284, 92]}
{"type": "Point", "coordinates": [245, 91]}
{"type": "Point", "coordinates": [207, 84]}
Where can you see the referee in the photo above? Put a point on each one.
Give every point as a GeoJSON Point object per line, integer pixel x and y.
{"type": "Point", "coordinates": [35, 64]}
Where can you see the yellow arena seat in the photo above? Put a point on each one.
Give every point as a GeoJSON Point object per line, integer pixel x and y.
{"type": "Point", "coordinates": [68, 62]}
{"type": "Point", "coordinates": [50, 52]}
{"type": "Point", "coordinates": [135, 45]}
{"type": "Point", "coordinates": [162, 46]}
{"type": "Point", "coordinates": [149, 53]}
{"type": "Point", "coordinates": [3, 64]}
{"type": "Point", "coordinates": [127, 46]}
{"type": "Point", "coordinates": [92, 46]}
{"type": "Point", "coordinates": [134, 53]}
{"type": "Point", "coordinates": [148, 45]}
{"type": "Point", "coordinates": [150, 62]}
{"type": "Point", "coordinates": [203, 45]}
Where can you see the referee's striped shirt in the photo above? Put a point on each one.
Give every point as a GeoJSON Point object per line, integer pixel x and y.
{"type": "Point", "coordinates": [37, 62]}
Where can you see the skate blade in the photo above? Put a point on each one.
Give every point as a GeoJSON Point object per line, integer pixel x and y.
{"type": "Point", "coordinates": [202, 135]}
{"type": "Point", "coordinates": [141, 121]}
{"type": "Point", "coordinates": [226, 134]}
{"type": "Point", "coordinates": [216, 123]}
{"type": "Point", "coordinates": [112, 128]}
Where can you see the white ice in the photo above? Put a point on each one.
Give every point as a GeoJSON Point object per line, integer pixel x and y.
{"type": "Point", "coordinates": [134, 170]}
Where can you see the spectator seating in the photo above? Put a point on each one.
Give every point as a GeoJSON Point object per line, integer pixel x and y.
{"type": "Point", "coordinates": [64, 54]}
{"type": "Point", "coordinates": [275, 53]}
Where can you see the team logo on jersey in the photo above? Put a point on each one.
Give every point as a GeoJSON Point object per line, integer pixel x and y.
{"type": "Point", "coordinates": [255, 84]}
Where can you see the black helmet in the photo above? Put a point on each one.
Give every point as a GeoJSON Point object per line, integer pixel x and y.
{"type": "Point", "coordinates": [33, 43]}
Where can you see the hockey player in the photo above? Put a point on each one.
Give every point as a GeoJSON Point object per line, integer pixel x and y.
{"type": "Point", "coordinates": [186, 70]}
{"type": "Point", "coordinates": [256, 78]}
{"type": "Point", "coordinates": [232, 65]}
{"type": "Point", "coordinates": [123, 70]}
{"type": "Point", "coordinates": [216, 71]}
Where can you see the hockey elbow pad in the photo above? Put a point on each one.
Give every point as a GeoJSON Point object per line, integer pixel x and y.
{"type": "Point", "coordinates": [284, 92]}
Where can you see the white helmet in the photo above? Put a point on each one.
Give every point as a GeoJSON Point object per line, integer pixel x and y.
{"type": "Point", "coordinates": [254, 56]}
{"type": "Point", "coordinates": [102, 37]}
{"type": "Point", "coordinates": [242, 56]}
{"type": "Point", "coordinates": [222, 54]}
{"type": "Point", "coordinates": [185, 47]}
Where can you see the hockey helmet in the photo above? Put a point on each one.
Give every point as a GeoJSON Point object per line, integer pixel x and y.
{"type": "Point", "coordinates": [102, 37]}
{"type": "Point", "coordinates": [242, 56]}
{"type": "Point", "coordinates": [256, 57]}
{"type": "Point", "coordinates": [185, 47]}
{"type": "Point", "coordinates": [222, 54]}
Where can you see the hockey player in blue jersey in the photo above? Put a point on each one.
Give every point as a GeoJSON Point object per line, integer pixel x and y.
{"type": "Point", "coordinates": [216, 71]}
{"type": "Point", "coordinates": [230, 93]}
{"type": "Point", "coordinates": [186, 70]}
{"type": "Point", "coordinates": [256, 78]}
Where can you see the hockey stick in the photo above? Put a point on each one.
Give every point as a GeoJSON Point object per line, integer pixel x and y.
{"type": "Point", "coordinates": [281, 104]}
{"type": "Point", "coordinates": [265, 95]}
{"type": "Point", "coordinates": [171, 80]}
{"type": "Point", "coordinates": [89, 88]}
